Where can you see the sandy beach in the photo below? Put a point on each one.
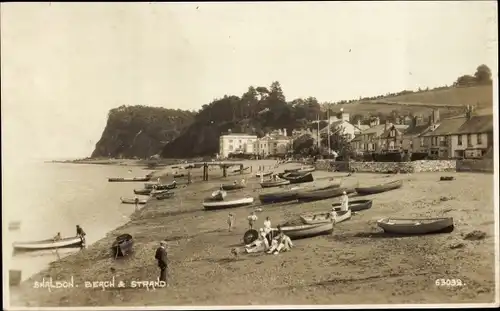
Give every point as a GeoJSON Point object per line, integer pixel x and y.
{"type": "Point", "coordinates": [357, 264]}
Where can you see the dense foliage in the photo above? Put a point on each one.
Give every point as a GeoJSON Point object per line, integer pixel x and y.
{"type": "Point", "coordinates": [140, 131]}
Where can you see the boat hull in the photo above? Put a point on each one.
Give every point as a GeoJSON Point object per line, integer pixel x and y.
{"type": "Point", "coordinates": [142, 191]}
{"type": "Point", "coordinates": [270, 184]}
{"type": "Point", "coordinates": [165, 195]}
{"type": "Point", "coordinates": [416, 226]}
{"type": "Point", "coordinates": [73, 242]}
{"type": "Point", "coordinates": [317, 195]}
{"type": "Point", "coordinates": [211, 205]}
{"type": "Point", "coordinates": [132, 201]}
{"type": "Point", "coordinates": [122, 246]}
{"type": "Point", "coordinates": [303, 178]}
{"type": "Point", "coordinates": [325, 217]}
{"type": "Point", "coordinates": [264, 174]}
{"type": "Point", "coordinates": [232, 187]}
{"type": "Point", "coordinates": [297, 232]}
{"type": "Point", "coordinates": [135, 179]}
{"type": "Point", "coordinates": [379, 188]}
{"type": "Point", "coordinates": [356, 206]}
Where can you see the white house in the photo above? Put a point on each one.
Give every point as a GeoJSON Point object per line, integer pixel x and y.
{"type": "Point", "coordinates": [236, 143]}
{"type": "Point", "coordinates": [272, 145]}
{"type": "Point", "coordinates": [341, 126]}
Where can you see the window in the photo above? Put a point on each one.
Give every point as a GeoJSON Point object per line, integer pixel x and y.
{"type": "Point", "coordinates": [469, 139]}
{"type": "Point", "coordinates": [479, 139]}
{"type": "Point", "coordinates": [459, 140]}
{"type": "Point", "coordinates": [230, 141]}
{"type": "Point", "coordinates": [421, 141]}
{"type": "Point", "coordinates": [230, 147]}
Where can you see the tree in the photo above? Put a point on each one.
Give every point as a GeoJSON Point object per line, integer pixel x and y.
{"type": "Point", "coordinates": [338, 143]}
{"type": "Point", "coordinates": [483, 74]}
{"type": "Point", "coordinates": [304, 145]}
{"type": "Point", "coordinates": [465, 80]}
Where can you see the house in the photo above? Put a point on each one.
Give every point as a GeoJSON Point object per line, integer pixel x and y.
{"type": "Point", "coordinates": [369, 140]}
{"type": "Point", "coordinates": [437, 142]}
{"type": "Point", "coordinates": [271, 145]}
{"type": "Point", "coordinates": [406, 137]}
{"type": "Point", "coordinates": [342, 126]}
{"type": "Point", "coordinates": [236, 143]}
{"type": "Point", "coordinates": [474, 138]}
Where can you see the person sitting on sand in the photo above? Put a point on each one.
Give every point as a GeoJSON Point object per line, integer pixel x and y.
{"type": "Point", "coordinates": [57, 237]}
{"type": "Point", "coordinates": [259, 245]}
{"type": "Point", "coordinates": [252, 219]}
{"type": "Point", "coordinates": [280, 243]}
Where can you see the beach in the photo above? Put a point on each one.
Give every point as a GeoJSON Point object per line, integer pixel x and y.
{"type": "Point", "coordinates": [354, 265]}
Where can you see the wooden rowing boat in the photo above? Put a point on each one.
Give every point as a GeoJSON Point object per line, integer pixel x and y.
{"type": "Point", "coordinates": [122, 245]}
{"type": "Point", "coordinates": [306, 230]}
{"type": "Point", "coordinates": [303, 178]}
{"type": "Point", "coordinates": [379, 188]}
{"type": "Point", "coordinates": [132, 201]}
{"type": "Point", "coordinates": [306, 170]}
{"type": "Point", "coordinates": [292, 170]}
{"type": "Point", "coordinates": [416, 225]}
{"type": "Point", "coordinates": [446, 178]}
{"type": "Point", "coordinates": [317, 195]}
{"type": "Point", "coordinates": [123, 179]}
{"type": "Point", "coordinates": [229, 187]}
{"type": "Point", "coordinates": [264, 174]}
{"type": "Point", "coordinates": [71, 242]}
{"type": "Point", "coordinates": [325, 217]}
{"type": "Point", "coordinates": [274, 183]}
{"type": "Point", "coordinates": [291, 194]}
{"type": "Point", "coordinates": [355, 206]}
{"type": "Point", "coordinates": [142, 191]}
{"type": "Point", "coordinates": [215, 205]}
{"type": "Point", "coordinates": [237, 170]}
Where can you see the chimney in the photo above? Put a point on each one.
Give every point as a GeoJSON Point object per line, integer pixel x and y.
{"type": "Point", "coordinates": [435, 116]}
{"type": "Point", "coordinates": [468, 112]}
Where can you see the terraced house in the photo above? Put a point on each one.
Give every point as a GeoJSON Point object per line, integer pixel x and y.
{"type": "Point", "coordinates": [461, 137]}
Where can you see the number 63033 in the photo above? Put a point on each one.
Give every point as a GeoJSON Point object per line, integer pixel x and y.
{"type": "Point", "coordinates": [449, 282]}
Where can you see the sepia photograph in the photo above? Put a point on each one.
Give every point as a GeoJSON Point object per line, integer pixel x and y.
{"type": "Point", "coordinates": [222, 155]}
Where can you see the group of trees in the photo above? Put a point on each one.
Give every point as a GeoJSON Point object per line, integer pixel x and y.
{"type": "Point", "coordinates": [140, 131]}
{"type": "Point", "coordinates": [481, 76]}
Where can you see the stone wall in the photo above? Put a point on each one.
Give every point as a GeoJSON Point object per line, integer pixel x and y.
{"type": "Point", "coordinates": [483, 165]}
{"type": "Point", "coordinates": [388, 167]}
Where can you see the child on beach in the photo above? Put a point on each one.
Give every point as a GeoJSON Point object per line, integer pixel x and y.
{"type": "Point", "coordinates": [230, 221]}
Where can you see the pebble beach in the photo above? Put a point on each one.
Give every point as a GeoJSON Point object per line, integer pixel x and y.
{"type": "Point", "coordinates": [357, 264]}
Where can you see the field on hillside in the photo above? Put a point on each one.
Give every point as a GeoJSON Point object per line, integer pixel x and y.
{"type": "Point", "coordinates": [450, 102]}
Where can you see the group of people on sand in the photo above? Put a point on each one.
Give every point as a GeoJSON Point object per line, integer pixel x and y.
{"type": "Point", "coordinates": [268, 240]}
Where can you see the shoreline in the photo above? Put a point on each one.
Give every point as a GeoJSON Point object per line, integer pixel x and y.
{"type": "Point", "coordinates": [189, 249]}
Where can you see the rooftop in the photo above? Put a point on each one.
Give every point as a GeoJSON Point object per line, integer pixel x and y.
{"type": "Point", "coordinates": [447, 127]}
{"type": "Point", "coordinates": [239, 134]}
{"type": "Point", "coordinates": [477, 124]}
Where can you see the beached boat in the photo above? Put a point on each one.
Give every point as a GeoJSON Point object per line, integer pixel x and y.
{"type": "Point", "coordinates": [218, 195]}
{"type": "Point", "coordinates": [317, 195]}
{"type": "Point", "coordinates": [379, 188]}
{"type": "Point", "coordinates": [355, 206]}
{"type": "Point", "coordinates": [71, 242]}
{"type": "Point", "coordinates": [132, 201]}
{"type": "Point", "coordinates": [274, 183]}
{"type": "Point", "coordinates": [142, 191]}
{"type": "Point", "coordinates": [132, 179]}
{"type": "Point", "coordinates": [264, 174]}
{"type": "Point", "coordinates": [229, 187]}
{"type": "Point", "coordinates": [446, 178]}
{"type": "Point", "coordinates": [238, 170]}
{"type": "Point", "coordinates": [122, 245]}
{"type": "Point", "coordinates": [214, 205]}
{"type": "Point", "coordinates": [416, 225]}
{"type": "Point", "coordinates": [279, 197]}
{"type": "Point", "coordinates": [307, 177]}
{"type": "Point", "coordinates": [325, 217]}
{"type": "Point", "coordinates": [155, 193]}
{"type": "Point", "coordinates": [178, 175]}
{"type": "Point", "coordinates": [293, 170]}
{"type": "Point", "coordinates": [305, 170]}
{"type": "Point", "coordinates": [164, 195]}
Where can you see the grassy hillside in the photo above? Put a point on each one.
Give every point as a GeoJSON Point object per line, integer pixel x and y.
{"type": "Point", "coordinates": [450, 101]}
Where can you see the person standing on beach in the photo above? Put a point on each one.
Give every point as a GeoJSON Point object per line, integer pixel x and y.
{"type": "Point", "coordinates": [158, 180]}
{"type": "Point", "coordinates": [81, 234]}
{"type": "Point", "coordinates": [136, 201]}
{"type": "Point", "coordinates": [344, 202]}
{"type": "Point", "coordinates": [230, 221]}
{"type": "Point", "coordinates": [189, 177]}
{"type": "Point", "coordinates": [161, 257]}
{"type": "Point", "coordinates": [252, 219]}
{"type": "Point", "coordinates": [267, 225]}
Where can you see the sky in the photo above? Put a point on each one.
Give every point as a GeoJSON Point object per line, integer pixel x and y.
{"type": "Point", "coordinates": [65, 65]}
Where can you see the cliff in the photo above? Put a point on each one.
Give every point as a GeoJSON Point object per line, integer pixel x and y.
{"type": "Point", "coordinates": [140, 131]}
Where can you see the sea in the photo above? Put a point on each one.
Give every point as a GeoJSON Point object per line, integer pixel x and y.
{"type": "Point", "coordinates": [47, 198]}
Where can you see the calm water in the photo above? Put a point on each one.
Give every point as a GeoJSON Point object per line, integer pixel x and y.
{"type": "Point", "coordinates": [50, 197]}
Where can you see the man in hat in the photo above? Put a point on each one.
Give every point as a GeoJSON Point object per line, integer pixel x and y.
{"type": "Point", "coordinates": [161, 257]}
{"type": "Point", "coordinates": [230, 221]}
{"type": "Point", "coordinates": [344, 202]}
